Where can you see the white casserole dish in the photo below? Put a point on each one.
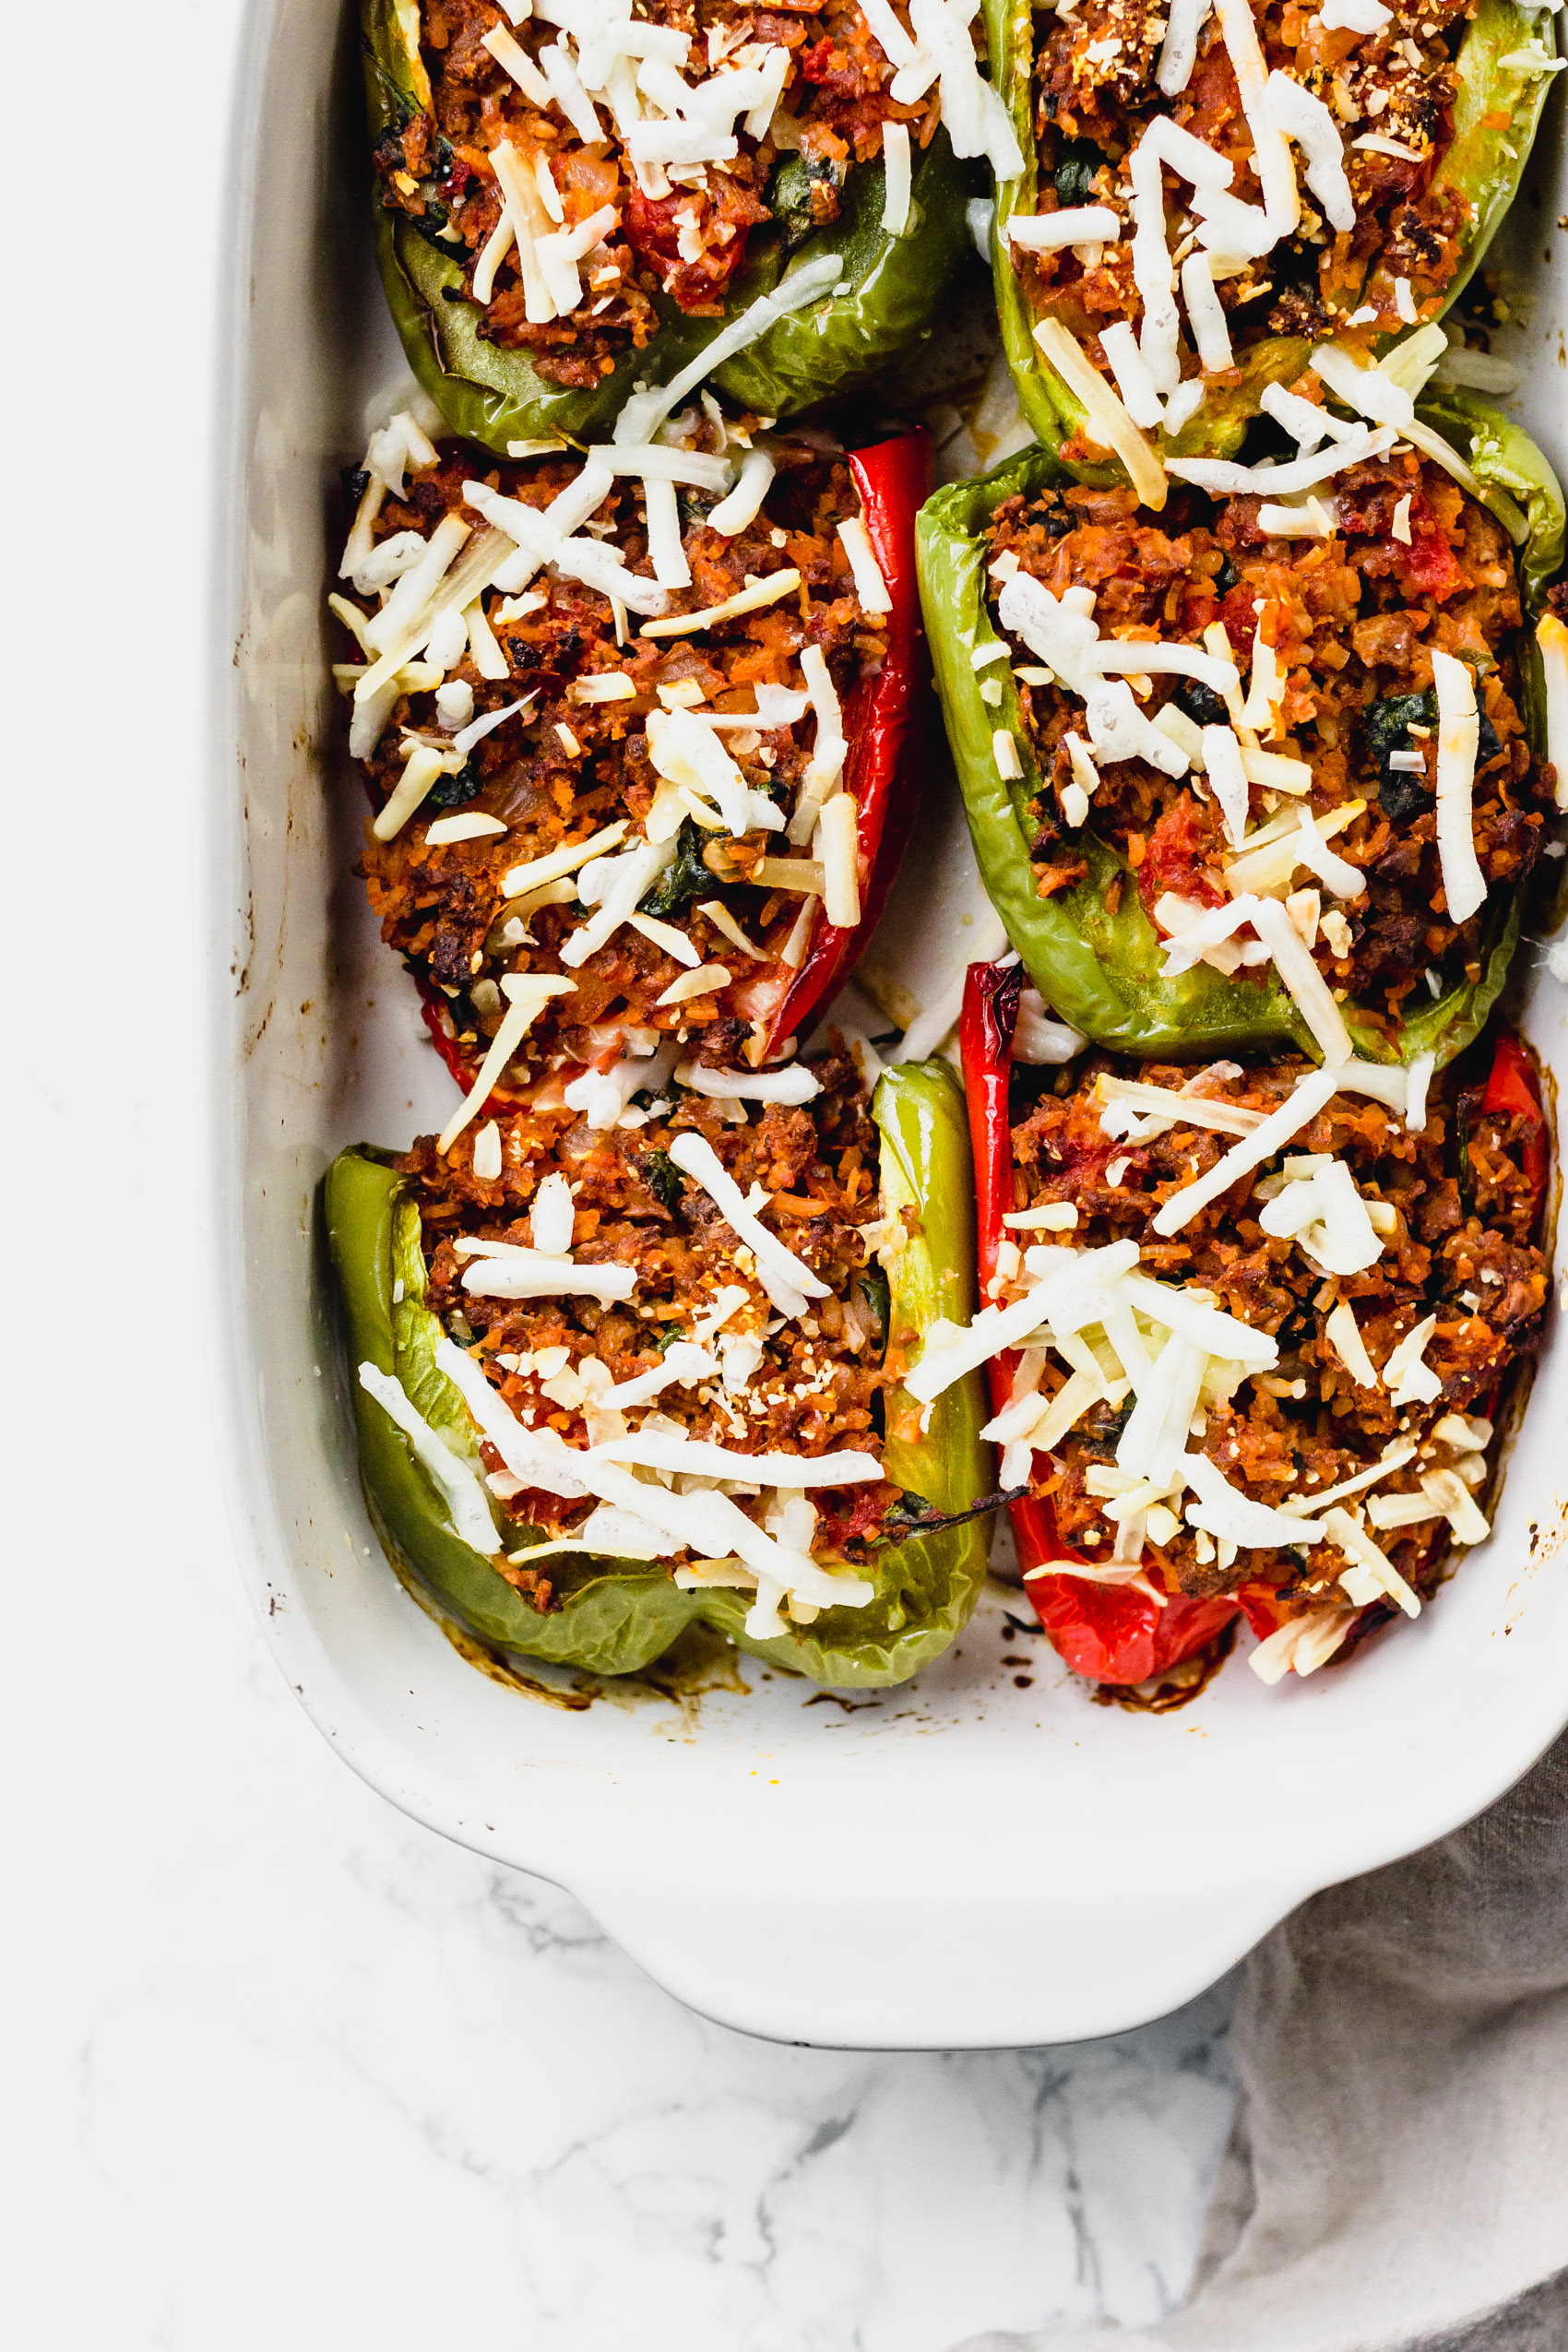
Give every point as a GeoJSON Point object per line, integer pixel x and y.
{"type": "Point", "coordinates": [963, 1863]}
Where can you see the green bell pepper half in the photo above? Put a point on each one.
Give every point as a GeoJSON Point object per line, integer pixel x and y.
{"type": "Point", "coordinates": [1100, 970]}
{"type": "Point", "coordinates": [889, 296]}
{"type": "Point", "coordinates": [1484, 163]}
{"type": "Point", "coordinates": [616, 1617]}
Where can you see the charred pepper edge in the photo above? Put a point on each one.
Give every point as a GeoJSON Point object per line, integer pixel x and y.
{"type": "Point", "coordinates": [891, 293]}
{"type": "Point", "coordinates": [1480, 164]}
{"type": "Point", "coordinates": [626, 1615]}
{"type": "Point", "coordinates": [1100, 970]}
{"type": "Point", "coordinates": [891, 725]}
{"type": "Point", "coordinates": [1115, 1634]}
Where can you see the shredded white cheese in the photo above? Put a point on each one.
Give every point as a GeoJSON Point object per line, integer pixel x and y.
{"type": "Point", "coordinates": [503, 1270]}
{"type": "Point", "coordinates": [1306, 984]}
{"type": "Point", "coordinates": [1205, 313]}
{"type": "Point", "coordinates": [895, 178]}
{"type": "Point", "coordinates": [1308, 121]}
{"type": "Point", "coordinates": [527, 994]}
{"type": "Point", "coordinates": [747, 600]}
{"type": "Point", "coordinates": [1551, 640]}
{"type": "Point", "coordinates": [1458, 736]}
{"type": "Point", "coordinates": [1271, 1133]}
{"type": "Point", "coordinates": [1106, 417]}
{"type": "Point", "coordinates": [1406, 1378]}
{"type": "Point", "coordinates": [1271, 154]}
{"type": "Point", "coordinates": [745, 501]}
{"type": "Point", "coordinates": [1343, 1337]}
{"type": "Point", "coordinates": [1081, 224]}
{"type": "Point", "coordinates": [870, 585]}
{"type": "Point", "coordinates": [558, 862]}
{"type": "Point", "coordinates": [836, 842]}
{"type": "Point", "coordinates": [457, 1483]}
{"type": "Point", "coordinates": [471, 825]}
{"type": "Point", "coordinates": [1223, 478]}
{"type": "Point", "coordinates": [788, 1282]}
{"type": "Point", "coordinates": [1184, 21]}
{"type": "Point", "coordinates": [791, 1084]}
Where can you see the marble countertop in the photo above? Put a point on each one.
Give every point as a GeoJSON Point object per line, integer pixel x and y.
{"type": "Point", "coordinates": [283, 2066]}
{"type": "Point", "coordinates": [299, 2071]}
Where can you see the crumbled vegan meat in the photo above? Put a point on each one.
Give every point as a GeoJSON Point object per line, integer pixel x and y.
{"type": "Point", "coordinates": [562, 768]}
{"type": "Point", "coordinates": [680, 234]}
{"type": "Point", "coordinates": [1095, 82]}
{"type": "Point", "coordinates": [1460, 1248]}
{"type": "Point", "coordinates": [1353, 620]}
{"type": "Point", "coordinates": [818, 1382]}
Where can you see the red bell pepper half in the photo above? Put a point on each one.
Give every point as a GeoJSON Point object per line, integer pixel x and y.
{"type": "Point", "coordinates": [1113, 1632]}
{"type": "Point", "coordinates": [890, 721]}
{"type": "Point", "coordinates": [1107, 1632]}
{"type": "Point", "coordinates": [1514, 1087]}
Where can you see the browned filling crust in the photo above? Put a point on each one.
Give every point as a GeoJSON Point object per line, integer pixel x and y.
{"type": "Point", "coordinates": [686, 242]}
{"type": "Point", "coordinates": [561, 770]}
{"type": "Point", "coordinates": [1460, 1247]}
{"type": "Point", "coordinates": [1095, 91]}
{"type": "Point", "coordinates": [806, 1386]}
{"type": "Point", "coordinates": [1353, 619]}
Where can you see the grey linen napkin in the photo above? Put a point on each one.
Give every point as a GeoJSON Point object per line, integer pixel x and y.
{"type": "Point", "coordinates": [1398, 2177]}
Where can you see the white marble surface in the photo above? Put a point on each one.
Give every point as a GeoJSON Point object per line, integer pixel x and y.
{"type": "Point", "coordinates": [282, 2067]}
{"type": "Point", "coordinates": [297, 2070]}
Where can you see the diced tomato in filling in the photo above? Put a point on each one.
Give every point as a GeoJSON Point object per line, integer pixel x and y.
{"type": "Point", "coordinates": [1513, 1090]}
{"type": "Point", "coordinates": [1238, 610]}
{"type": "Point", "coordinates": [1427, 566]}
{"type": "Point", "coordinates": [1173, 858]}
{"type": "Point", "coordinates": [654, 235]}
{"type": "Point", "coordinates": [831, 69]}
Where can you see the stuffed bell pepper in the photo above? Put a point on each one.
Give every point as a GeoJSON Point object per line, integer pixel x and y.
{"type": "Point", "coordinates": [1208, 190]}
{"type": "Point", "coordinates": [575, 196]}
{"type": "Point", "coordinates": [1246, 1333]}
{"type": "Point", "coordinates": [611, 1383]}
{"type": "Point", "coordinates": [645, 738]}
{"type": "Point", "coordinates": [1269, 764]}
